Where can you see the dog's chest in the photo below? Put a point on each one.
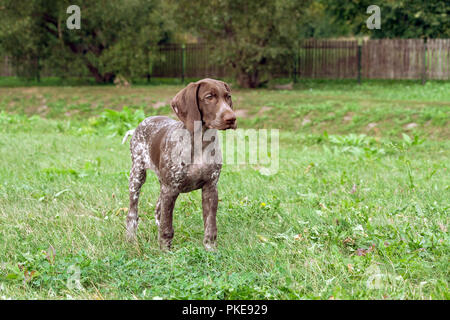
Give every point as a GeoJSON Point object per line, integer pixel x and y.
{"type": "Point", "coordinates": [186, 168]}
{"type": "Point", "coordinates": [193, 176]}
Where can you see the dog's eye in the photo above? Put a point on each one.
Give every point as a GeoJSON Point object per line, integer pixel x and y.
{"type": "Point", "coordinates": [209, 96]}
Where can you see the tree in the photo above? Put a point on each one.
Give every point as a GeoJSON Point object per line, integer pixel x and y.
{"type": "Point", "coordinates": [252, 37]}
{"type": "Point", "coordinates": [317, 22]}
{"type": "Point", "coordinates": [399, 18]}
{"type": "Point", "coordinates": [20, 37]}
{"type": "Point", "coordinates": [116, 37]}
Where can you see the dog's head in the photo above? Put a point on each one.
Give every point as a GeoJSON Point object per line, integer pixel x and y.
{"type": "Point", "coordinates": [207, 100]}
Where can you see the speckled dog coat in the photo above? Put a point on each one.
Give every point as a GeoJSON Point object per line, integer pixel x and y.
{"type": "Point", "coordinates": [185, 155]}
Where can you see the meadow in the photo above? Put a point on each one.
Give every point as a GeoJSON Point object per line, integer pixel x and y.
{"type": "Point", "coordinates": [359, 208]}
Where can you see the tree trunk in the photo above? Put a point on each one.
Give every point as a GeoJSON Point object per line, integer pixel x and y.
{"type": "Point", "coordinates": [248, 79]}
{"type": "Point", "coordinates": [100, 78]}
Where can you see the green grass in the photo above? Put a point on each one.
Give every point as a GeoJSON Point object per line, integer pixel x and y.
{"type": "Point", "coordinates": [356, 211]}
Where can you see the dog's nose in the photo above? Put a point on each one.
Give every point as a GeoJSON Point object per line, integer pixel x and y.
{"type": "Point", "coordinates": [230, 117]}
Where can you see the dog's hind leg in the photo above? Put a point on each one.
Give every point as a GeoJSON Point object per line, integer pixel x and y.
{"type": "Point", "coordinates": [137, 178]}
{"type": "Point", "coordinates": [158, 212]}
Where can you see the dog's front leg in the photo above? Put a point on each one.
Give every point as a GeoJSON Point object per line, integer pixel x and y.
{"type": "Point", "coordinates": [166, 203]}
{"type": "Point", "coordinates": [209, 203]}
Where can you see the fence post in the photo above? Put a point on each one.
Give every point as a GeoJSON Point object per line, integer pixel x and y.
{"type": "Point", "coordinates": [183, 62]}
{"type": "Point", "coordinates": [359, 60]}
{"type": "Point", "coordinates": [38, 70]}
{"type": "Point", "coordinates": [295, 66]}
{"type": "Point", "coordinates": [148, 65]}
{"type": "Point", "coordinates": [424, 62]}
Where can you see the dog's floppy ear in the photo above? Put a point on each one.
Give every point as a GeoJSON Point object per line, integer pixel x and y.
{"type": "Point", "coordinates": [185, 105]}
{"type": "Point", "coordinates": [229, 90]}
{"type": "Point", "coordinates": [226, 86]}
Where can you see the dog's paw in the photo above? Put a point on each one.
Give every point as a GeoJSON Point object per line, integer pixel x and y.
{"type": "Point", "coordinates": [210, 246]}
{"type": "Point", "coordinates": [165, 239]}
{"type": "Point", "coordinates": [165, 245]}
{"type": "Point", "coordinates": [131, 236]}
{"type": "Point", "coordinates": [131, 232]}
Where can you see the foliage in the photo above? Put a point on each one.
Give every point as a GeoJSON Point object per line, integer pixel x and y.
{"type": "Point", "coordinates": [115, 36]}
{"type": "Point", "coordinates": [118, 121]}
{"type": "Point", "coordinates": [399, 18]}
{"type": "Point", "coordinates": [318, 22]}
{"type": "Point", "coordinates": [250, 35]}
{"type": "Point", "coordinates": [257, 39]}
{"type": "Point", "coordinates": [358, 145]}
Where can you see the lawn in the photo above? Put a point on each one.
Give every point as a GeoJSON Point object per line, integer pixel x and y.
{"type": "Point", "coordinates": [359, 208]}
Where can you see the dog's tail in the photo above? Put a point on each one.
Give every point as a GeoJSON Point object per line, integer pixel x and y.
{"type": "Point", "coordinates": [129, 133]}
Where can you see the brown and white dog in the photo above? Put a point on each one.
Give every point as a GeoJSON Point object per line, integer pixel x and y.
{"type": "Point", "coordinates": [185, 155]}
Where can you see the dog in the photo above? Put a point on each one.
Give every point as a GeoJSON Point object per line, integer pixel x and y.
{"type": "Point", "coordinates": [185, 155]}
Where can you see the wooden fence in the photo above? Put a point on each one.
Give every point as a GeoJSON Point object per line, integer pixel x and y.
{"type": "Point", "coordinates": [438, 59]}
{"type": "Point", "coordinates": [326, 59]}
{"type": "Point", "coordinates": [375, 59]}
{"type": "Point", "coordinates": [393, 59]}
{"type": "Point", "coordinates": [6, 69]}
{"type": "Point", "coordinates": [189, 60]}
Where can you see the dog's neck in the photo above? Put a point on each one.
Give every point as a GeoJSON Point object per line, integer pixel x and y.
{"type": "Point", "coordinates": [198, 137]}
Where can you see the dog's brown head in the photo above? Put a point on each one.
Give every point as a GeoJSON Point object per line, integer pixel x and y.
{"type": "Point", "coordinates": [207, 100]}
